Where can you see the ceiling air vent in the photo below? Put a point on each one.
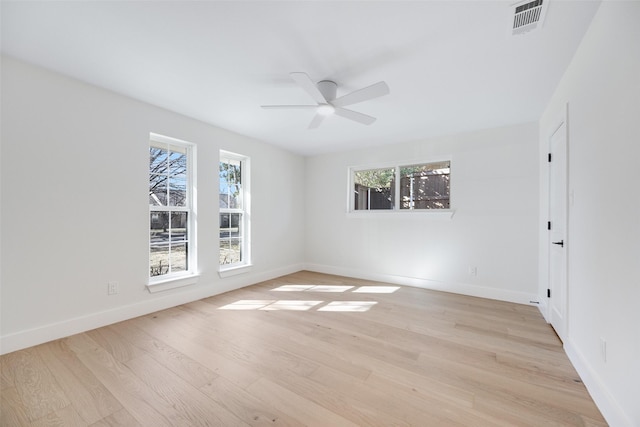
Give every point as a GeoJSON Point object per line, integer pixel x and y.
{"type": "Point", "coordinates": [528, 16]}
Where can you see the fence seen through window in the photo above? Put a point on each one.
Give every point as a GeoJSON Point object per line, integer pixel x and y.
{"type": "Point", "coordinates": [420, 186]}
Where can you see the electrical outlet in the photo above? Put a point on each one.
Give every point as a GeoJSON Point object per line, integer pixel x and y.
{"type": "Point", "coordinates": [112, 288]}
{"type": "Point", "coordinates": [473, 270]}
{"type": "Point", "coordinates": [603, 347]}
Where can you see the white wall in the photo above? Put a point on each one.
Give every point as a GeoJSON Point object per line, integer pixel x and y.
{"type": "Point", "coordinates": [75, 212]}
{"type": "Point", "coordinates": [602, 89]}
{"type": "Point", "coordinates": [494, 186]}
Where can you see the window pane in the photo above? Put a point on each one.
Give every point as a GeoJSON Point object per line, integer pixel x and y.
{"type": "Point", "coordinates": [178, 257]}
{"type": "Point", "coordinates": [177, 161]}
{"type": "Point", "coordinates": [225, 248]}
{"type": "Point", "coordinates": [230, 238]}
{"type": "Point", "coordinates": [230, 251]}
{"type": "Point", "coordinates": [225, 227]}
{"type": "Point", "coordinates": [235, 200]}
{"type": "Point", "coordinates": [224, 199]}
{"type": "Point", "coordinates": [159, 227]}
{"type": "Point", "coordinates": [374, 189]}
{"type": "Point", "coordinates": [231, 170]}
{"type": "Point", "coordinates": [157, 190]}
{"type": "Point", "coordinates": [159, 260]}
{"type": "Point", "coordinates": [235, 226]}
{"type": "Point", "coordinates": [425, 186]}
{"type": "Point", "coordinates": [236, 250]}
{"type": "Point", "coordinates": [230, 225]}
{"type": "Point", "coordinates": [230, 184]}
{"type": "Point", "coordinates": [178, 226]}
{"type": "Point", "coordinates": [157, 160]}
{"type": "Point", "coordinates": [178, 190]}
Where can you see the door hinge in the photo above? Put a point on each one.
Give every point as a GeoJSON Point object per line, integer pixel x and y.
{"type": "Point", "coordinates": [548, 225]}
{"type": "Point", "coordinates": [548, 293]}
{"type": "Point", "coordinates": [549, 158]}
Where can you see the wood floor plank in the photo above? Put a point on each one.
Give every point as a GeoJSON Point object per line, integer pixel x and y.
{"type": "Point", "coordinates": [13, 412]}
{"type": "Point", "coordinates": [298, 407]}
{"type": "Point", "coordinates": [177, 362]}
{"type": "Point", "coordinates": [119, 418]}
{"type": "Point", "coordinates": [7, 375]}
{"type": "Point", "coordinates": [306, 349]}
{"type": "Point", "coordinates": [121, 350]}
{"type": "Point", "coordinates": [89, 397]}
{"type": "Point", "coordinates": [428, 397]}
{"type": "Point", "coordinates": [246, 351]}
{"type": "Point", "coordinates": [201, 351]}
{"type": "Point", "coordinates": [65, 417]}
{"type": "Point", "coordinates": [546, 395]}
{"type": "Point", "coordinates": [141, 402]}
{"type": "Point", "coordinates": [193, 405]}
{"type": "Point", "coordinates": [255, 351]}
{"type": "Point", "coordinates": [38, 390]}
{"type": "Point", "coordinates": [243, 405]}
{"type": "Point", "coordinates": [296, 343]}
{"type": "Point", "coordinates": [357, 401]}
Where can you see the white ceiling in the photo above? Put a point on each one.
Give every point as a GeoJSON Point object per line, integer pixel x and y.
{"type": "Point", "coordinates": [452, 66]}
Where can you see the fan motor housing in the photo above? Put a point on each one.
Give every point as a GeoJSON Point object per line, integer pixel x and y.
{"type": "Point", "coordinates": [328, 89]}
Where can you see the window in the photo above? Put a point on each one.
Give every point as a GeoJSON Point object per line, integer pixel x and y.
{"type": "Point", "coordinates": [374, 189]}
{"type": "Point", "coordinates": [171, 208]}
{"type": "Point", "coordinates": [425, 186]}
{"type": "Point", "coordinates": [419, 186]}
{"type": "Point", "coordinates": [234, 210]}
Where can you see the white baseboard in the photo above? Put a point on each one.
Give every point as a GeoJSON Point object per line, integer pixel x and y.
{"type": "Point", "coordinates": [543, 307]}
{"type": "Point", "coordinates": [611, 411]}
{"type": "Point", "coordinates": [457, 288]}
{"type": "Point", "coordinates": [53, 331]}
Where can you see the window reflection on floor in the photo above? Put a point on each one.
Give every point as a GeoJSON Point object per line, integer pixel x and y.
{"type": "Point", "coordinates": [377, 289]}
{"type": "Point", "coordinates": [315, 305]}
{"type": "Point", "coordinates": [312, 288]}
{"type": "Point", "coordinates": [351, 306]}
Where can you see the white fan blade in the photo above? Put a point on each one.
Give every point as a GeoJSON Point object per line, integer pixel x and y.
{"type": "Point", "coordinates": [354, 115]}
{"type": "Point", "coordinates": [289, 107]}
{"type": "Point", "coordinates": [364, 94]}
{"type": "Point", "coordinates": [309, 86]}
{"type": "Point", "coordinates": [316, 121]}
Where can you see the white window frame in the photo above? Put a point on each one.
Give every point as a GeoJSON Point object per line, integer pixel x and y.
{"type": "Point", "coordinates": [226, 270]}
{"type": "Point", "coordinates": [188, 277]}
{"type": "Point", "coordinates": [395, 211]}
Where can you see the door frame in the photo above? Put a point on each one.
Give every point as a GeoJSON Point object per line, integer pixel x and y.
{"type": "Point", "coordinates": [545, 235]}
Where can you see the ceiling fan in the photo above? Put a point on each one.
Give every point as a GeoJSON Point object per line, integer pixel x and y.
{"type": "Point", "coordinates": [324, 94]}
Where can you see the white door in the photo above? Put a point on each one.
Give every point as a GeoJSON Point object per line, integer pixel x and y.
{"type": "Point", "coordinates": [557, 233]}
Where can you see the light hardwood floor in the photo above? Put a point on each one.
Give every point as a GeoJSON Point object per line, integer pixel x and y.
{"type": "Point", "coordinates": [305, 349]}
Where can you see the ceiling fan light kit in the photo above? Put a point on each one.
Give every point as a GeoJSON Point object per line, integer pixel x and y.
{"type": "Point", "coordinates": [326, 109]}
{"type": "Point", "coordinates": [324, 94]}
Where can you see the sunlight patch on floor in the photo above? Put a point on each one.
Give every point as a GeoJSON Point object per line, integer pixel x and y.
{"type": "Point", "coordinates": [292, 288]}
{"type": "Point", "coordinates": [330, 288]}
{"type": "Point", "coordinates": [247, 304]}
{"type": "Point", "coordinates": [293, 305]}
{"type": "Point", "coordinates": [377, 289]}
{"type": "Point", "coordinates": [299, 305]}
{"type": "Point", "coordinates": [316, 288]}
{"type": "Point", "coordinates": [351, 306]}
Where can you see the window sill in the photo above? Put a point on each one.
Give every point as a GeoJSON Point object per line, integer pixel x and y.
{"type": "Point", "coordinates": [234, 271]}
{"type": "Point", "coordinates": [159, 285]}
{"type": "Point", "coordinates": [421, 214]}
